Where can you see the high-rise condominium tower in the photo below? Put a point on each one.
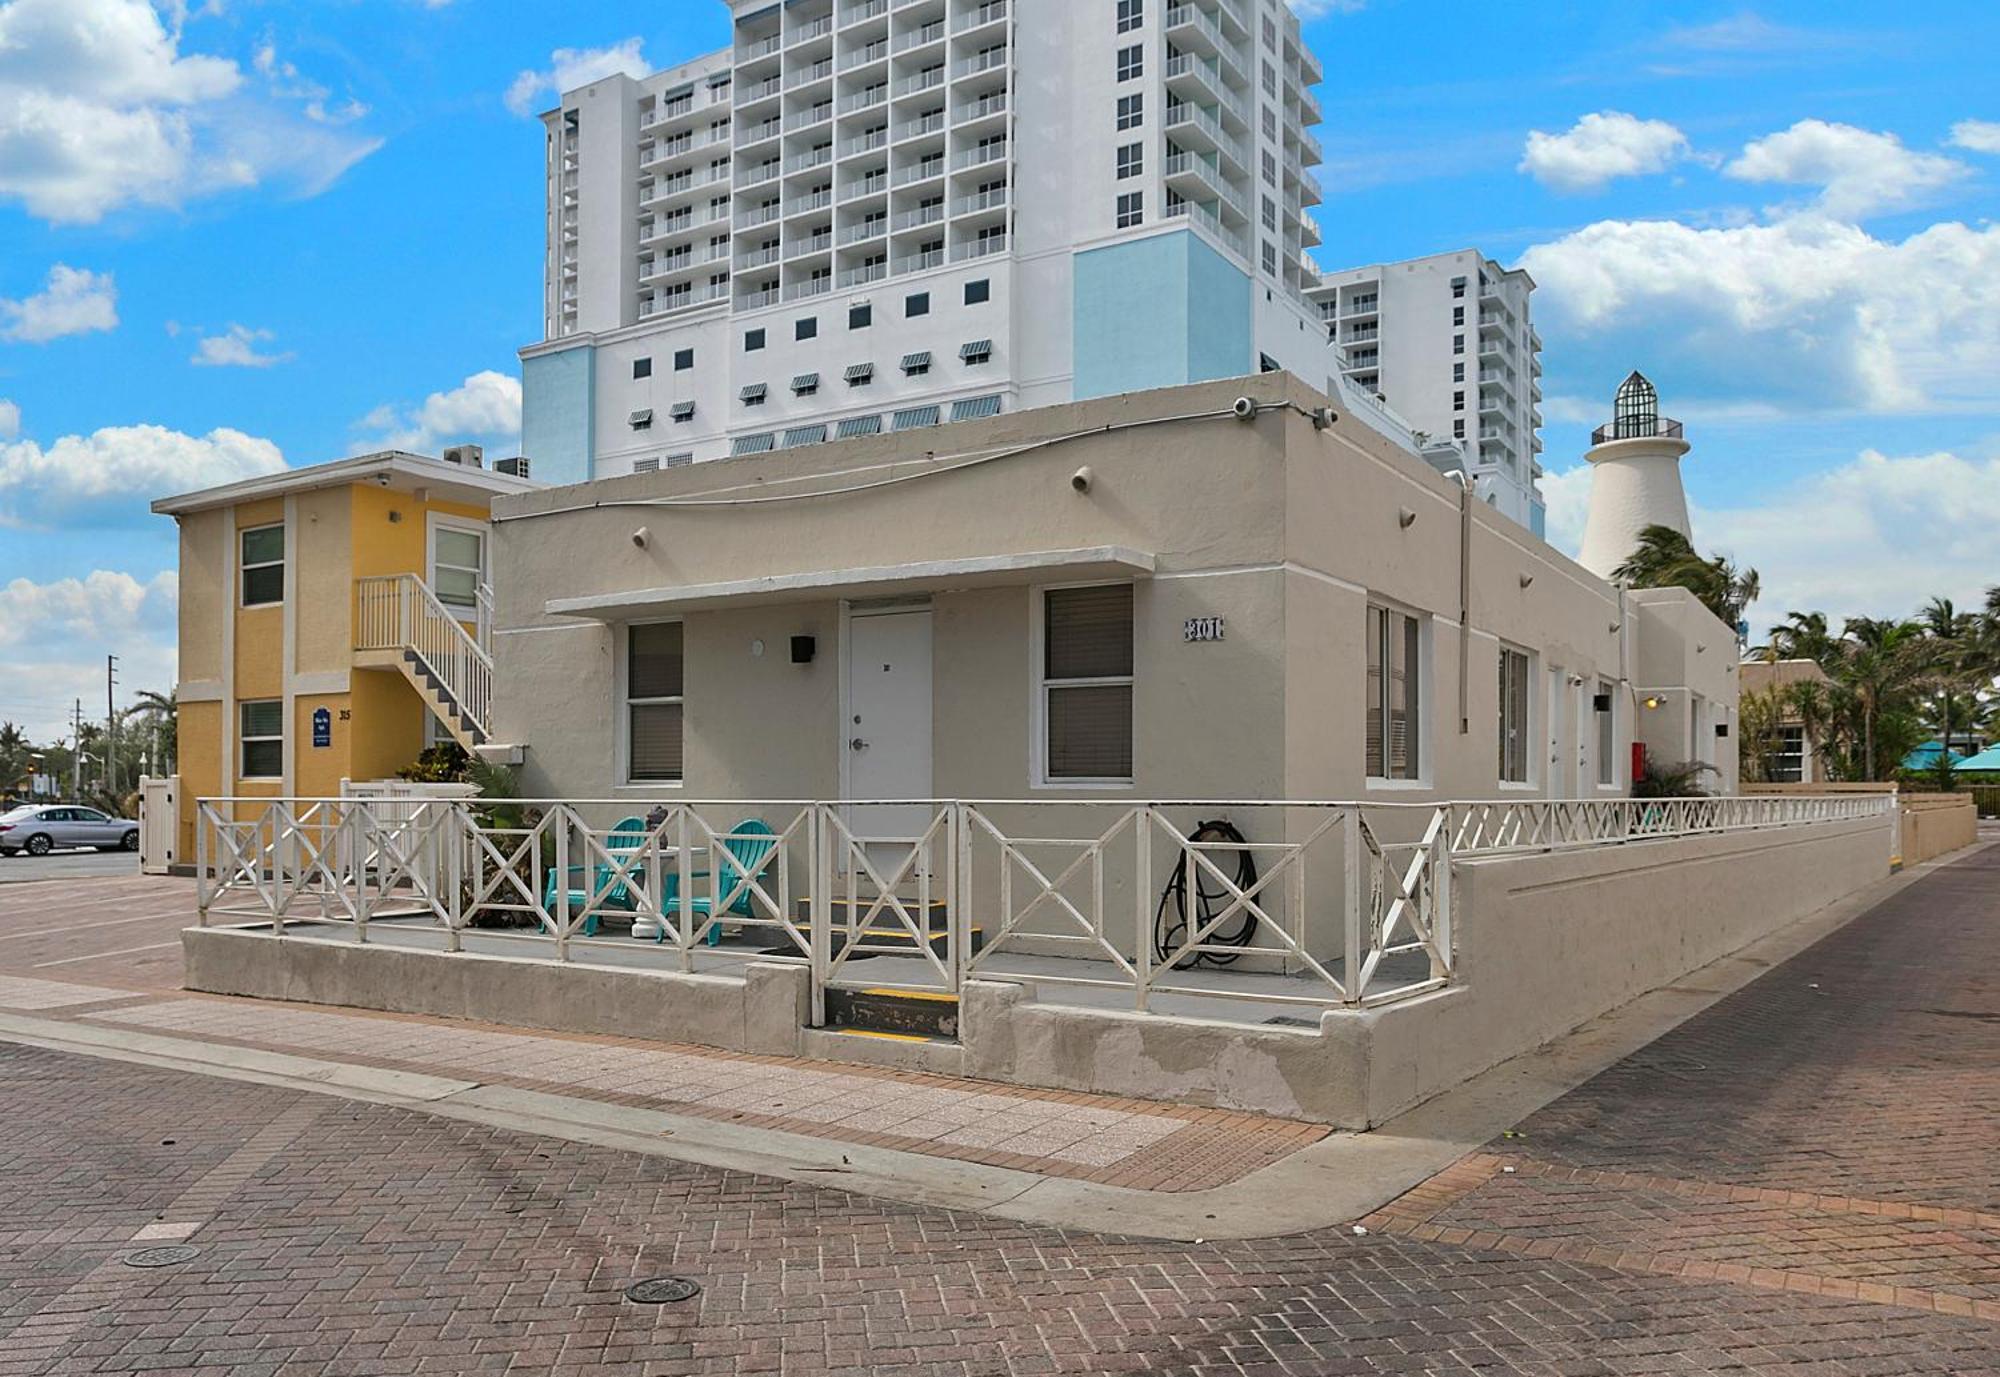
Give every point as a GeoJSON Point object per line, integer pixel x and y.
{"type": "Point", "coordinates": [870, 215]}
{"type": "Point", "coordinates": [1446, 341]}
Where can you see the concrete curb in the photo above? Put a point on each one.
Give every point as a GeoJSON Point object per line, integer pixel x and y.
{"type": "Point", "coordinates": [1328, 1183]}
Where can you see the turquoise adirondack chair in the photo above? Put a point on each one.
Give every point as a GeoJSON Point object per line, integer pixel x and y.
{"type": "Point", "coordinates": [745, 853]}
{"type": "Point", "coordinates": [626, 836]}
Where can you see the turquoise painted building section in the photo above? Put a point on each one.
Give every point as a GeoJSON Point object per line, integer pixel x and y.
{"type": "Point", "coordinates": [559, 414]}
{"type": "Point", "coordinates": [1158, 312]}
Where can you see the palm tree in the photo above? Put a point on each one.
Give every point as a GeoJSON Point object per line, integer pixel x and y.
{"type": "Point", "coordinates": [1882, 663]}
{"type": "Point", "coordinates": [1805, 636]}
{"type": "Point", "coordinates": [17, 755]}
{"type": "Point", "coordinates": [160, 712]}
{"type": "Point", "coordinates": [1666, 559]}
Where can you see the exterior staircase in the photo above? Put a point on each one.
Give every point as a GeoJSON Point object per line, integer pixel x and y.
{"type": "Point", "coordinates": [400, 623]}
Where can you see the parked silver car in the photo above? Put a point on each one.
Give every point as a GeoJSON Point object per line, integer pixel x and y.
{"type": "Point", "coordinates": [41, 828]}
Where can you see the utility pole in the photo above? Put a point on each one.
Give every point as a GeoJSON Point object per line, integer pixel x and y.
{"type": "Point", "coordinates": [76, 755]}
{"type": "Point", "coordinates": [110, 728]}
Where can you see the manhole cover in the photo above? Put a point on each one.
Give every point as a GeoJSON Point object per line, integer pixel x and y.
{"type": "Point", "coordinates": [165, 1255]}
{"type": "Point", "coordinates": [662, 1290]}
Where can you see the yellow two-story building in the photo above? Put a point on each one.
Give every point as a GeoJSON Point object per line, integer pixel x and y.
{"type": "Point", "coordinates": [333, 622]}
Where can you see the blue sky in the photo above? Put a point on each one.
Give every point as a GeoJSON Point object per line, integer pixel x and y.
{"type": "Point", "coordinates": [248, 232]}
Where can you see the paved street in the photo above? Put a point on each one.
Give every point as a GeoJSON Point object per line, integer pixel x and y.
{"type": "Point", "coordinates": [1800, 1180]}
{"type": "Point", "coordinates": [67, 865]}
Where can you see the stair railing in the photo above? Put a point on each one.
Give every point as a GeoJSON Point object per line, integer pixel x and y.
{"type": "Point", "coordinates": [400, 612]}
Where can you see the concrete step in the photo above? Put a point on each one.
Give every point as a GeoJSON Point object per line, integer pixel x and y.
{"type": "Point", "coordinates": [893, 1013]}
{"type": "Point", "coordinates": [902, 1051]}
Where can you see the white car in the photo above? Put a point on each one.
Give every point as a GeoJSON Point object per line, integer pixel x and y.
{"type": "Point", "coordinates": [40, 828]}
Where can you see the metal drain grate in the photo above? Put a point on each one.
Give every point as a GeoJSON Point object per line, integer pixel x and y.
{"type": "Point", "coordinates": [662, 1290]}
{"type": "Point", "coordinates": [166, 1255]}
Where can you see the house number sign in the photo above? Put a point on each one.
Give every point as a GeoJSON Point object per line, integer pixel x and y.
{"type": "Point", "coordinates": [1202, 629]}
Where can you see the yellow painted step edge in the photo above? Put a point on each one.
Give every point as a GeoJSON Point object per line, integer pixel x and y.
{"type": "Point", "coordinates": [871, 1033]}
{"type": "Point", "coordinates": [937, 995]}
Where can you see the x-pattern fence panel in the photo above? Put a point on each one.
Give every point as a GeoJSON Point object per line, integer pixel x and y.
{"type": "Point", "coordinates": [1326, 904]}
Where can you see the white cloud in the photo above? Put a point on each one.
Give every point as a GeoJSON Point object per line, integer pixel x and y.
{"type": "Point", "coordinates": [75, 302]}
{"type": "Point", "coordinates": [123, 465]}
{"type": "Point", "coordinates": [485, 407]}
{"type": "Point", "coordinates": [1600, 147]}
{"type": "Point", "coordinates": [570, 68]}
{"type": "Point", "coordinates": [54, 637]}
{"type": "Point", "coordinates": [235, 347]}
{"type": "Point", "coordinates": [1567, 498]}
{"type": "Point", "coordinates": [1320, 9]}
{"type": "Point", "coordinates": [1980, 136]}
{"type": "Point", "coordinates": [10, 419]}
{"type": "Point", "coordinates": [1859, 171]}
{"type": "Point", "coordinates": [1877, 536]}
{"type": "Point", "coordinates": [1804, 312]}
{"type": "Point", "coordinates": [100, 109]}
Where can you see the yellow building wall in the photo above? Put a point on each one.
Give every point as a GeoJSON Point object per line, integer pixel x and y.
{"type": "Point", "coordinates": [388, 724]}
{"type": "Point", "coordinates": [322, 605]}
{"type": "Point", "coordinates": [318, 770]}
{"type": "Point", "coordinates": [204, 600]}
{"type": "Point", "coordinates": [259, 667]}
{"type": "Point", "coordinates": [199, 737]}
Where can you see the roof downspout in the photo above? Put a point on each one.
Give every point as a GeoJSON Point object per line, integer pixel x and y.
{"type": "Point", "coordinates": [1464, 603]}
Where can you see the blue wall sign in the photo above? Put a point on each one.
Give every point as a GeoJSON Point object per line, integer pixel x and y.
{"type": "Point", "coordinates": [322, 727]}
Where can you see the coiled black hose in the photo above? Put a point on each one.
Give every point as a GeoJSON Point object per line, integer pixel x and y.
{"type": "Point", "coordinates": [1208, 899]}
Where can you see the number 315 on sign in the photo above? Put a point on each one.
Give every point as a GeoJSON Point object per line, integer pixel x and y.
{"type": "Point", "coordinates": [1202, 629]}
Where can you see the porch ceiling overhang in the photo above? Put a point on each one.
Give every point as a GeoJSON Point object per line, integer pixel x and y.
{"type": "Point", "coordinates": [889, 580]}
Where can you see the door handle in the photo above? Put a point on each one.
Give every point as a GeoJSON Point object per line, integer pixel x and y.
{"type": "Point", "coordinates": [857, 744]}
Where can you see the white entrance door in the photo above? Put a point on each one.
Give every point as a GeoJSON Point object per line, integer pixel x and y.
{"type": "Point", "coordinates": [888, 728]}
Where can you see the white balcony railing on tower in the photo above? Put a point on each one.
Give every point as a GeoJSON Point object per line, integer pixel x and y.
{"type": "Point", "coordinates": [400, 613]}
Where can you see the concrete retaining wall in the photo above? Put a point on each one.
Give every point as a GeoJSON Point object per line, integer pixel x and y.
{"type": "Point", "coordinates": [1934, 824]}
{"type": "Point", "coordinates": [1549, 941]}
{"type": "Point", "coordinates": [762, 1012]}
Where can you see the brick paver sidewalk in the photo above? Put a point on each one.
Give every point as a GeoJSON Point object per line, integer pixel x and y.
{"type": "Point", "coordinates": [1833, 1127]}
{"type": "Point", "coordinates": [1136, 1143]}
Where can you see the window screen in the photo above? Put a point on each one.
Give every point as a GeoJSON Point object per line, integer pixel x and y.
{"type": "Point", "coordinates": [653, 700]}
{"type": "Point", "coordinates": [455, 574]}
{"type": "Point", "coordinates": [1087, 681]}
{"type": "Point", "coordinates": [1513, 716]}
{"type": "Point", "coordinates": [263, 738]}
{"type": "Point", "coordinates": [1394, 694]}
{"type": "Point", "coordinates": [263, 565]}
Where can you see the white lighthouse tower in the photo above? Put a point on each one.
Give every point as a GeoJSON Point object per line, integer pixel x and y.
{"type": "Point", "coordinates": [1635, 478]}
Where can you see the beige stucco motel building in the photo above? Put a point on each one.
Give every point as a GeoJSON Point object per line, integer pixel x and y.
{"type": "Point", "coordinates": [1220, 591]}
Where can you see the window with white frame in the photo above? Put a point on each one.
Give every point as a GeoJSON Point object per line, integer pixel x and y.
{"type": "Point", "coordinates": [653, 702]}
{"type": "Point", "coordinates": [1131, 14]}
{"type": "Point", "coordinates": [1395, 694]}
{"type": "Point", "coordinates": [1788, 756]}
{"type": "Point", "coordinates": [1515, 669]}
{"type": "Point", "coordinates": [458, 565]}
{"type": "Point", "coordinates": [1131, 62]}
{"type": "Point", "coordinates": [261, 738]}
{"type": "Point", "coordinates": [1087, 682]}
{"type": "Point", "coordinates": [1131, 210]}
{"type": "Point", "coordinates": [1607, 733]}
{"type": "Point", "coordinates": [1132, 110]}
{"type": "Point", "coordinates": [1131, 160]}
{"type": "Point", "coordinates": [263, 560]}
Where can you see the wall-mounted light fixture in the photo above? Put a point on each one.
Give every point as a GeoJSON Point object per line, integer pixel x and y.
{"type": "Point", "coordinates": [1405, 518]}
{"type": "Point", "coordinates": [1527, 579]}
{"type": "Point", "coordinates": [1652, 702]}
{"type": "Point", "coordinates": [803, 649]}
